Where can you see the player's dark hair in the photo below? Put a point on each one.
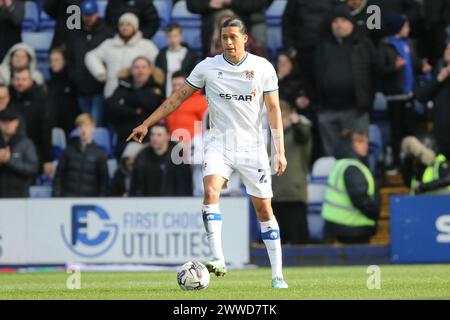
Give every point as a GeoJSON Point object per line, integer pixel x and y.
{"type": "Point", "coordinates": [172, 26]}
{"type": "Point", "coordinates": [235, 22]}
{"type": "Point", "coordinates": [179, 74]}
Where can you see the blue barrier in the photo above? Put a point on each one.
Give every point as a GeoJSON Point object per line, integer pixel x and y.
{"type": "Point", "coordinates": [420, 229]}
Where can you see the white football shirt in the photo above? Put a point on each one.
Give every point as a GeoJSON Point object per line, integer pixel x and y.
{"type": "Point", "coordinates": [235, 95]}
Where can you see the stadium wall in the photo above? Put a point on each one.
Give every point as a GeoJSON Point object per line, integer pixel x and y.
{"type": "Point", "coordinates": [110, 231]}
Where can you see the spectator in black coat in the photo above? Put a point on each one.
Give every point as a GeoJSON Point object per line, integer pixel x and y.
{"type": "Point", "coordinates": [82, 169]}
{"type": "Point", "coordinates": [121, 181]}
{"type": "Point", "coordinates": [57, 10]}
{"type": "Point", "coordinates": [402, 67]}
{"type": "Point", "coordinates": [93, 32]}
{"type": "Point", "coordinates": [433, 36]}
{"type": "Point", "coordinates": [293, 86]}
{"type": "Point", "coordinates": [11, 15]}
{"type": "Point", "coordinates": [303, 23]}
{"type": "Point", "coordinates": [135, 98]}
{"type": "Point", "coordinates": [63, 102]}
{"type": "Point", "coordinates": [346, 67]}
{"type": "Point", "coordinates": [5, 98]}
{"type": "Point", "coordinates": [208, 9]}
{"type": "Point", "coordinates": [155, 173]}
{"type": "Point", "coordinates": [438, 90]}
{"type": "Point", "coordinates": [18, 159]}
{"type": "Point", "coordinates": [30, 101]}
{"type": "Point", "coordinates": [177, 56]}
{"type": "Point", "coordinates": [143, 9]}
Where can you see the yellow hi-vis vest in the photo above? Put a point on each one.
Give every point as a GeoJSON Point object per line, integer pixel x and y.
{"type": "Point", "coordinates": [430, 174]}
{"type": "Point", "coordinates": [338, 207]}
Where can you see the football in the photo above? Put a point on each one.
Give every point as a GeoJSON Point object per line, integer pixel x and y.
{"type": "Point", "coordinates": [193, 275]}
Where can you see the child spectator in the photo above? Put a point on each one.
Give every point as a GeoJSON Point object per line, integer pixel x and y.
{"type": "Point", "coordinates": [176, 56]}
{"type": "Point", "coordinates": [82, 169]}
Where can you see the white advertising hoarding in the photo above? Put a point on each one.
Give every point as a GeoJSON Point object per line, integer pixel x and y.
{"type": "Point", "coordinates": [99, 230]}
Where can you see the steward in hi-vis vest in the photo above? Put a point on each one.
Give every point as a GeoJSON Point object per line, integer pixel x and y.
{"type": "Point", "coordinates": [351, 204]}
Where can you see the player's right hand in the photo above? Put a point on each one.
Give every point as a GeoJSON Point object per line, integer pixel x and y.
{"type": "Point", "coordinates": [138, 133]}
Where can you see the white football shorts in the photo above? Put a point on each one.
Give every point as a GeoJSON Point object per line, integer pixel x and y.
{"type": "Point", "coordinates": [252, 165]}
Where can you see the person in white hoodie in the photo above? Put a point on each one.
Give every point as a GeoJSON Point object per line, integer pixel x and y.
{"type": "Point", "coordinates": [20, 56]}
{"type": "Point", "coordinates": [115, 55]}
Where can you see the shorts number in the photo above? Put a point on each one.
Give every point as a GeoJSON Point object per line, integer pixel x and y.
{"type": "Point", "coordinates": [263, 176]}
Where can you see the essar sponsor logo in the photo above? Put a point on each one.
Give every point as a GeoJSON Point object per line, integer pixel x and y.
{"type": "Point", "coordinates": [237, 97]}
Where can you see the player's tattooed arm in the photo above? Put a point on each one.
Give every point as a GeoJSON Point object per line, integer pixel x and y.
{"type": "Point", "coordinates": [171, 104]}
{"type": "Point", "coordinates": [276, 125]}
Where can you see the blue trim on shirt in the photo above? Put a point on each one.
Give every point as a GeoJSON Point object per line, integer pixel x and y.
{"type": "Point", "coordinates": [269, 91]}
{"type": "Point", "coordinates": [193, 86]}
{"type": "Point", "coordinates": [237, 64]}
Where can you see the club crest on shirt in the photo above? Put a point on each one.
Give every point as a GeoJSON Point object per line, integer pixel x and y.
{"type": "Point", "coordinates": [249, 74]}
{"type": "Point", "coordinates": [220, 75]}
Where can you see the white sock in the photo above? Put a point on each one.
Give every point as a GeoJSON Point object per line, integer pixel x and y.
{"type": "Point", "coordinates": [270, 233]}
{"type": "Point", "coordinates": [212, 219]}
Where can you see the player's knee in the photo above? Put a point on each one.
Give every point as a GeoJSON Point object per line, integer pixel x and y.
{"type": "Point", "coordinates": [264, 212]}
{"type": "Point", "coordinates": [211, 194]}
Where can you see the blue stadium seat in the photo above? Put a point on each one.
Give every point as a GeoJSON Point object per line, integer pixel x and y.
{"type": "Point", "coordinates": [31, 19]}
{"type": "Point", "coordinates": [102, 7]}
{"type": "Point", "coordinates": [59, 142]}
{"type": "Point", "coordinates": [274, 40]}
{"type": "Point", "coordinates": [45, 22]}
{"type": "Point", "coordinates": [40, 191]}
{"type": "Point", "coordinates": [164, 7]}
{"type": "Point", "coordinates": [192, 37]}
{"type": "Point", "coordinates": [112, 167]}
{"type": "Point", "coordinates": [41, 42]}
{"type": "Point", "coordinates": [316, 195]}
{"type": "Point", "coordinates": [375, 147]}
{"type": "Point", "coordinates": [181, 15]}
{"type": "Point", "coordinates": [275, 12]}
{"type": "Point", "coordinates": [102, 138]}
{"type": "Point", "coordinates": [321, 169]}
{"type": "Point", "coordinates": [159, 39]}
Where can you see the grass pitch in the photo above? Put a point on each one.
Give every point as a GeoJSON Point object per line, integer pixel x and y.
{"type": "Point", "coordinates": [346, 282]}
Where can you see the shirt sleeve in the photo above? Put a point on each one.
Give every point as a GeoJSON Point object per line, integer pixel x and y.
{"type": "Point", "coordinates": [197, 77]}
{"type": "Point", "coordinates": [270, 79]}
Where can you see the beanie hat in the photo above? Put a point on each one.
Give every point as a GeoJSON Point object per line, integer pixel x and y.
{"type": "Point", "coordinates": [131, 18]}
{"type": "Point", "coordinates": [393, 23]}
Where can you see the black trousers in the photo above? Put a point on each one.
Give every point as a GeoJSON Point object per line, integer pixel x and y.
{"type": "Point", "coordinates": [291, 217]}
{"type": "Point", "coordinates": [402, 120]}
{"type": "Point", "coordinates": [348, 235]}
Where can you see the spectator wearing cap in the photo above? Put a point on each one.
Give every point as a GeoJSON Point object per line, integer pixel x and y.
{"type": "Point", "coordinates": [346, 67]}
{"type": "Point", "coordinates": [114, 56]}
{"type": "Point", "coordinates": [57, 10]}
{"type": "Point", "coordinates": [402, 66]}
{"type": "Point", "coordinates": [18, 158]}
{"type": "Point", "coordinates": [11, 15]}
{"type": "Point", "coordinates": [143, 9]}
{"type": "Point", "coordinates": [82, 169]}
{"type": "Point", "coordinates": [303, 23]}
{"type": "Point", "coordinates": [93, 32]}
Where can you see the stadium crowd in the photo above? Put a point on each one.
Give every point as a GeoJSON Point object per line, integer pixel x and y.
{"type": "Point", "coordinates": [110, 74]}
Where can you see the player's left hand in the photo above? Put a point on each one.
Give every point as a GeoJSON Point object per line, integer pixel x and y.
{"type": "Point", "coordinates": [280, 163]}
